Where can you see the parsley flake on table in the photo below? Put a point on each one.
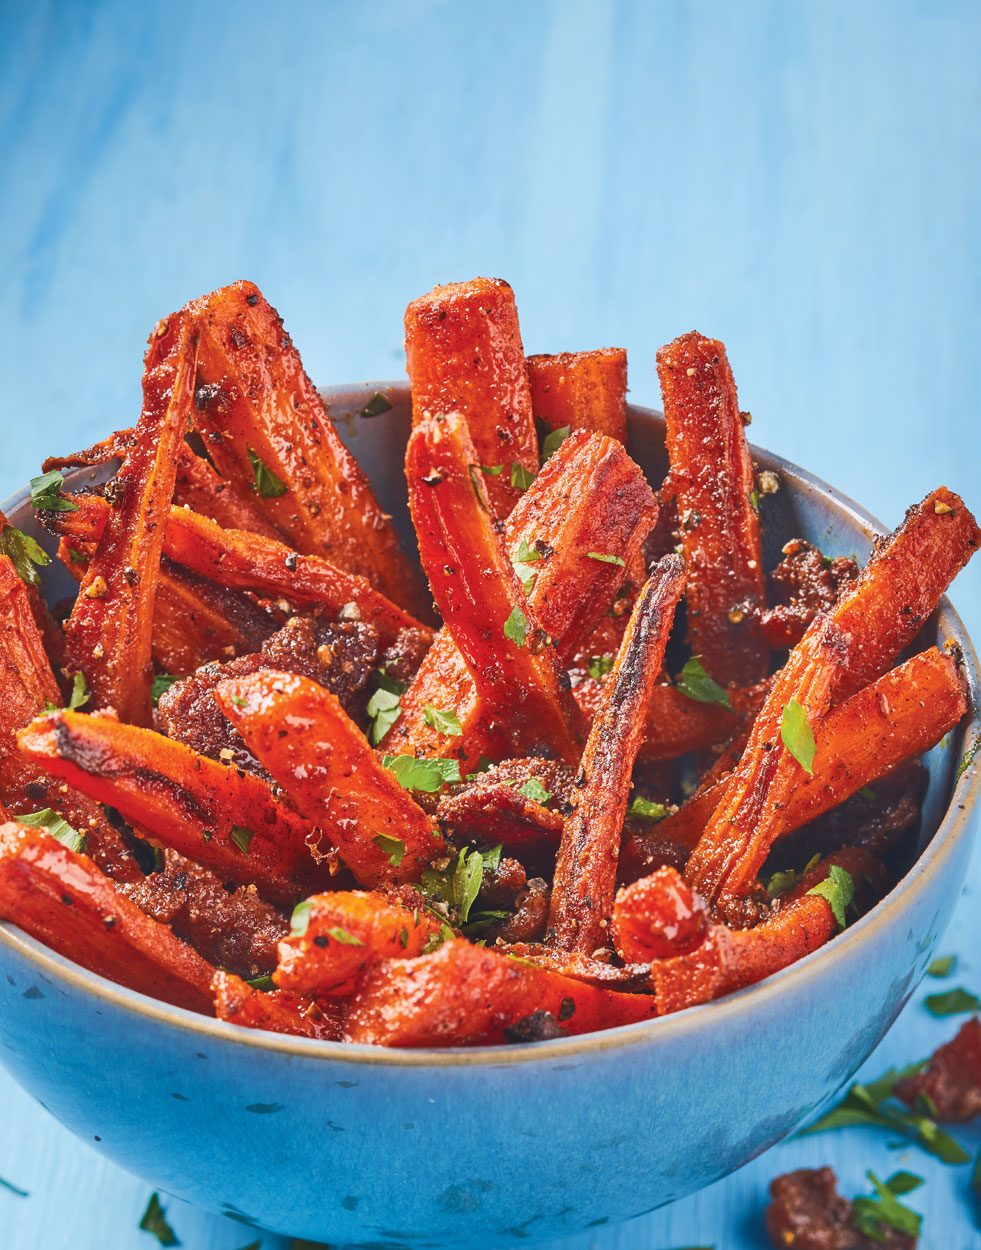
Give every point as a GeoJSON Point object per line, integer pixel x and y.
{"type": "Point", "coordinates": [647, 809]}
{"type": "Point", "coordinates": [598, 666]}
{"type": "Point", "coordinates": [604, 558]}
{"type": "Point", "coordinates": [839, 890]}
{"type": "Point", "coordinates": [942, 966]}
{"type": "Point", "coordinates": [696, 684]}
{"type": "Point", "coordinates": [57, 826]}
{"type": "Point", "coordinates": [46, 493]}
{"type": "Point", "coordinates": [871, 1215]}
{"type": "Point", "coordinates": [160, 685]}
{"type": "Point", "coordinates": [534, 790]}
{"type": "Point", "coordinates": [394, 848]}
{"type": "Point", "coordinates": [241, 837]}
{"type": "Point", "coordinates": [444, 722]}
{"type": "Point", "coordinates": [153, 1221]}
{"type": "Point", "coordinates": [952, 1003]}
{"type": "Point", "coordinates": [384, 707]}
{"type": "Point", "coordinates": [24, 554]}
{"type": "Point", "coordinates": [516, 627]}
{"type": "Point", "coordinates": [267, 483]}
{"type": "Point", "coordinates": [521, 478]}
{"type": "Point", "coordinates": [430, 775]}
{"type": "Point", "coordinates": [798, 736]}
{"type": "Point", "coordinates": [376, 405]}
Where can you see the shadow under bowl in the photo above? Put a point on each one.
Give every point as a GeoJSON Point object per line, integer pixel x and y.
{"type": "Point", "coordinates": [488, 1147]}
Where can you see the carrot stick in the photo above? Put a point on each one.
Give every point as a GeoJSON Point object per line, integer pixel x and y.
{"type": "Point", "coordinates": [331, 774]}
{"type": "Point", "coordinates": [713, 480]}
{"type": "Point", "coordinates": [116, 446]}
{"type": "Point", "coordinates": [875, 618]}
{"type": "Point", "coordinates": [342, 934]}
{"type": "Point", "coordinates": [524, 692]}
{"type": "Point", "coordinates": [585, 872]}
{"type": "Point", "coordinates": [199, 488]}
{"type": "Point", "coordinates": [463, 353]}
{"type": "Point", "coordinates": [906, 712]}
{"type": "Point", "coordinates": [266, 431]}
{"type": "Point", "coordinates": [465, 995]}
{"type": "Point", "coordinates": [657, 917]}
{"type": "Point", "coordinates": [276, 1011]}
{"type": "Point", "coordinates": [108, 635]}
{"type": "Point", "coordinates": [62, 899]}
{"type": "Point", "coordinates": [216, 815]}
{"type": "Point", "coordinates": [581, 390]}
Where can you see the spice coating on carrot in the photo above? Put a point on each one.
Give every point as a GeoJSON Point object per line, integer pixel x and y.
{"type": "Point", "coordinates": [581, 391]}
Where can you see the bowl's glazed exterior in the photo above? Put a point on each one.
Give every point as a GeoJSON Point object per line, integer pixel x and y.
{"type": "Point", "coordinates": [494, 1146]}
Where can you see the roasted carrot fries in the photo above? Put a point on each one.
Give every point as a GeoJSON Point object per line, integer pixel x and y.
{"type": "Point", "coordinates": [247, 776]}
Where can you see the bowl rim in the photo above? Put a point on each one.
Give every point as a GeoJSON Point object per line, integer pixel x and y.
{"type": "Point", "coordinates": [953, 826]}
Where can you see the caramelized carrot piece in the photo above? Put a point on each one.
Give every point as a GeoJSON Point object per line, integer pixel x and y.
{"type": "Point", "coordinates": [331, 774]}
{"type": "Point", "coordinates": [712, 476]}
{"type": "Point", "coordinates": [276, 1011]}
{"type": "Point", "coordinates": [108, 635]}
{"type": "Point", "coordinates": [875, 617]}
{"type": "Point", "coordinates": [22, 648]}
{"type": "Point", "coordinates": [465, 995]}
{"type": "Point", "coordinates": [221, 817]}
{"type": "Point", "coordinates": [730, 959]}
{"type": "Point", "coordinates": [267, 433]}
{"type": "Point", "coordinates": [344, 934]}
{"type": "Point", "coordinates": [523, 690]}
{"type": "Point", "coordinates": [906, 712]}
{"type": "Point", "coordinates": [116, 446]}
{"type": "Point", "coordinates": [62, 899]}
{"type": "Point", "coordinates": [199, 488]}
{"type": "Point", "coordinates": [585, 872]}
{"type": "Point", "coordinates": [657, 917]}
{"type": "Point", "coordinates": [581, 390]}
{"type": "Point", "coordinates": [463, 353]}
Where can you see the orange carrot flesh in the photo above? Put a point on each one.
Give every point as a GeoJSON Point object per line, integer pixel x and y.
{"type": "Point", "coordinates": [256, 398]}
{"type": "Point", "coordinates": [523, 690]}
{"type": "Point", "coordinates": [712, 476]}
{"type": "Point", "coordinates": [465, 995]}
{"type": "Point", "coordinates": [308, 743]}
{"type": "Point", "coordinates": [345, 933]}
{"type": "Point", "coordinates": [463, 354]}
{"type": "Point", "coordinates": [108, 635]}
{"type": "Point", "coordinates": [22, 648]}
{"type": "Point", "coordinates": [199, 488]}
{"type": "Point", "coordinates": [585, 872]}
{"type": "Point", "coordinates": [850, 645]}
{"type": "Point", "coordinates": [906, 712]}
{"type": "Point", "coordinates": [657, 917]}
{"type": "Point", "coordinates": [276, 1011]}
{"type": "Point", "coordinates": [581, 390]}
{"type": "Point", "coordinates": [63, 900]}
{"type": "Point", "coordinates": [215, 814]}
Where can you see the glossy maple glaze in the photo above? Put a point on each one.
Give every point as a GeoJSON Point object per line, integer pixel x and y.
{"type": "Point", "coordinates": [581, 390]}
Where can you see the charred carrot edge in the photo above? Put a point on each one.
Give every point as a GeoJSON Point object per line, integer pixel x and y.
{"type": "Point", "coordinates": [346, 933]}
{"type": "Point", "coordinates": [585, 872]}
{"type": "Point", "coordinates": [626, 978]}
{"type": "Point", "coordinates": [217, 815]}
{"type": "Point", "coordinates": [906, 712]}
{"type": "Point", "coordinates": [331, 774]}
{"type": "Point", "coordinates": [22, 649]}
{"type": "Point", "coordinates": [200, 488]}
{"type": "Point", "coordinates": [108, 635]}
{"type": "Point", "coordinates": [466, 995]}
{"type": "Point", "coordinates": [116, 446]}
{"type": "Point", "coordinates": [276, 1011]}
{"type": "Point", "coordinates": [712, 476]}
{"type": "Point", "coordinates": [581, 390]}
{"type": "Point", "coordinates": [463, 353]}
{"type": "Point", "coordinates": [730, 959]}
{"type": "Point", "coordinates": [256, 401]}
{"type": "Point", "coordinates": [62, 899]}
{"type": "Point", "coordinates": [48, 627]}
{"type": "Point", "coordinates": [196, 621]}
{"type": "Point", "coordinates": [657, 917]}
{"type": "Point", "coordinates": [875, 618]}
{"type": "Point", "coordinates": [523, 690]}
{"type": "Point", "coordinates": [501, 813]}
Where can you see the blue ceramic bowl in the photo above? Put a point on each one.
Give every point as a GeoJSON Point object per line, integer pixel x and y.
{"type": "Point", "coordinates": [500, 1146]}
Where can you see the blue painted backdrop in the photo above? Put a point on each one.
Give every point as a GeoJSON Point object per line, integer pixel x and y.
{"type": "Point", "coordinates": [798, 179]}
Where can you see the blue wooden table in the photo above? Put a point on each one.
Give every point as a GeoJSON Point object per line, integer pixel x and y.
{"type": "Point", "coordinates": [801, 180]}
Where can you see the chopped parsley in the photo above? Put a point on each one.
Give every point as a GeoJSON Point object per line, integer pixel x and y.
{"type": "Point", "coordinates": [343, 936]}
{"type": "Point", "coordinates": [696, 684]}
{"type": "Point", "coordinates": [458, 885]}
{"type": "Point", "coordinates": [267, 483]}
{"type": "Point", "coordinates": [422, 774]}
{"type": "Point", "coordinates": [478, 486]}
{"type": "Point", "coordinates": [444, 722]}
{"type": "Point", "coordinates": [521, 478]}
{"type": "Point", "coordinates": [838, 889]}
{"type": "Point", "coordinates": [264, 983]}
{"type": "Point", "coordinates": [492, 470]}
{"type": "Point", "coordinates": [952, 1003]}
{"type": "Point", "coordinates": [300, 919]}
{"type": "Point", "coordinates": [161, 684]}
{"type": "Point", "coordinates": [241, 837]}
{"type": "Point", "coordinates": [57, 826]}
{"type": "Point", "coordinates": [867, 792]}
{"type": "Point", "coordinates": [376, 405]}
{"type": "Point", "coordinates": [524, 556]}
{"type": "Point", "coordinates": [79, 695]}
{"type": "Point", "coordinates": [534, 790]}
{"type": "Point", "coordinates": [754, 500]}
{"type": "Point", "coordinates": [384, 706]}
{"type": "Point", "coordinates": [153, 1221]}
{"type": "Point", "coordinates": [785, 880]}
{"type": "Point", "coordinates": [483, 765]}
{"type": "Point", "coordinates": [394, 848]}
{"type": "Point", "coordinates": [798, 736]}
{"type": "Point", "coordinates": [606, 559]}
{"type": "Point", "coordinates": [967, 759]}
{"type": "Point", "coordinates": [516, 627]}
{"type": "Point", "coordinates": [599, 665]}
{"type": "Point", "coordinates": [942, 966]}
{"type": "Point", "coordinates": [46, 493]}
{"type": "Point", "coordinates": [554, 440]}
{"type": "Point", "coordinates": [871, 1215]}
{"type": "Point", "coordinates": [24, 554]}
{"type": "Point", "coordinates": [646, 809]}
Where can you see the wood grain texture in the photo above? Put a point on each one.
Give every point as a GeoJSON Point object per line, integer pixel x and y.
{"type": "Point", "coordinates": [801, 181]}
